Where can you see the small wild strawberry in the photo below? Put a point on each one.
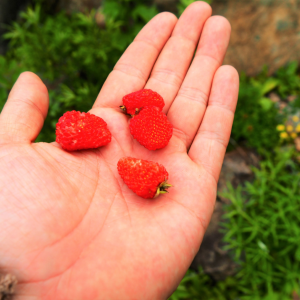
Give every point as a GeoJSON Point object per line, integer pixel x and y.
{"type": "Point", "coordinates": [151, 128]}
{"type": "Point", "coordinates": [147, 179]}
{"type": "Point", "coordinates": [134, 102]}
{"type": "Point", "coordinates": [77, 130]}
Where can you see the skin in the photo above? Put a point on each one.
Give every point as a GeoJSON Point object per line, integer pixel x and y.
{"type": "Point", "coordinates": [70, 228]}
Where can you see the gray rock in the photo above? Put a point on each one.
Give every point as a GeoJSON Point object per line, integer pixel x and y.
{"type": "Point", "coordinates": [236, 170]}
{"type": "Point", "coordinates": [264, 32]}
{"type": "Point", "coordinates": [215, 262]}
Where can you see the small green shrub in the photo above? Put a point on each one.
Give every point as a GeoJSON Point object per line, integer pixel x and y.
{"type": "Point", "coordinates": [256, 116]}
{"type": "Point", "coordinates": [71, 54]}
{"type": "Point", "coordinates": [199, 286]}
{"type": "Point", "coordinates": [289, 80]}
{"type": "Point", "coordinates": [263, 230]}
{"type": "Point", "coordinates": [10, 72]}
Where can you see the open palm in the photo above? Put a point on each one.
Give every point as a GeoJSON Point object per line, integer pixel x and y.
{"type": "Point", "coordinates": [70, 228]}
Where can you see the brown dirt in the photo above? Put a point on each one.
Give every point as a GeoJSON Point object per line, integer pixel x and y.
{"type": "Point", "coordinates": [7, 285]}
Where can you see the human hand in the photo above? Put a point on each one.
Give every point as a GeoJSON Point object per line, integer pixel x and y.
{"type": "Point", "coordinates": [70, 228]}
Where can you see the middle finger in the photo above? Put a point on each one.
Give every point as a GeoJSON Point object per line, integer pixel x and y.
{"type": "Point", "coordinates": [173, 62]}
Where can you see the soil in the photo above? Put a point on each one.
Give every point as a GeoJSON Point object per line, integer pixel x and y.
{"type": "Point", "coordinates": [7, 285]}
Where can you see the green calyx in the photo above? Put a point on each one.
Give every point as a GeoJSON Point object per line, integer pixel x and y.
{"type": "Point", "coordinates": [162, 188]}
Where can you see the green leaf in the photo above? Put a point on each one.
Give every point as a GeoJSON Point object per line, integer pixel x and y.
{"type": "Point", "coordinates": [269, 85]}
{"type": "Point", "coordinates": [262, 246]}
{"type": "Point", "coordinates": [266, 103]}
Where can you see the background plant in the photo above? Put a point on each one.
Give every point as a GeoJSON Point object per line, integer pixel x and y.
{"type": "Point", "coordinates": [71, 54]}
{"type": "Point", "coordinates": [198, 285]}
{"type": "Point", "coordinates": [257, 115]}
{"type": "Point", "coordinates": [263, 229]}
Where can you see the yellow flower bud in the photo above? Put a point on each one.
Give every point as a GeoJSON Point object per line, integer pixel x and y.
{"type": "Point", "coordinates": [293, 135]}
{"type": "Point", "coordinates": [298, 128]}
{"type": "Point", "coordinates": [289, 128]}
{"type": "Point", "coordinates": [280, 127]}
{"type": "Point", "coordinates": [283, 135]}
{"type": "Point", "coordinates": [295, 119]}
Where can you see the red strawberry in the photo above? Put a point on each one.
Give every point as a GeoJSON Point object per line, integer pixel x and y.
{"type": "Point", "coordinates": [151, 128]}
{"type": "Point", "coordinates": [134, 102]}
{"type": "Point", "coordinates": [147, 179]}
{"type": "Point", "coordinates": [77, 131]}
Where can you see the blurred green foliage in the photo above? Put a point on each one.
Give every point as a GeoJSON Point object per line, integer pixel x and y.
{"type": "Point", "coordinates": [257, 116]}
{"type": "Point", "coordinates": [288, 80]}
{"type": "Point", "coordinates": [71, 54]}
{"type": "Point", "coordinates": [10, 71]}
{"type": "Point", "coordinates": [198, 285]}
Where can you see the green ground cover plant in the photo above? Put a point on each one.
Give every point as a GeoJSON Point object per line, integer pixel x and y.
{"type": "Point", "coordinates": [198, 285]}
{"type": "Point", "coordinates": [263, 228]}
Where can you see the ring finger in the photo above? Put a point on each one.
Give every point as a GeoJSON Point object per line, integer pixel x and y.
{"type": "Point", "coordinates": [173, 62]}
{"type": "Point", "coordinates": [187, 110]}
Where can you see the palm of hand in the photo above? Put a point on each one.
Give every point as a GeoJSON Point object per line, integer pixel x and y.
{"type": "Point", "coordinates": [73, 230]}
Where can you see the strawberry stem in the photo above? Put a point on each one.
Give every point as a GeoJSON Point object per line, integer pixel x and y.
{"type": "Point", "coordinates": [123, 108]}
{"type": "Point", "coordinates": [162, 188]}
